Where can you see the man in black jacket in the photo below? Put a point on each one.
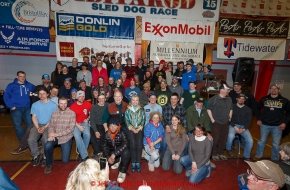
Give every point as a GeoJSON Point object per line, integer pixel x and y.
{"type": "Point", "coordinates": [116, 148]}
{"type": "Point", "coordinates": [274, 118]}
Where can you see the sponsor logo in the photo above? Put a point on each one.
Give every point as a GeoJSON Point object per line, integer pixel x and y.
{"type": "Point", "coordinates": [229, 43]}
{"type": "Point", "coordinates": [61, 2]}
{"type": "Point", "coordinates": [208, 14]}
{"type": "Point", "coordinates": [66, 22]}
{"type": "Point", "coordinates": [7, 39]}
{"type": "Point", "coordinates": [162, 100]}
{"type": "Point", "coordinates": [25, 12]}
{"type": "Point", "coordinates": [66, 49]}
{"type": "Point", "coordinates": [160, 30]}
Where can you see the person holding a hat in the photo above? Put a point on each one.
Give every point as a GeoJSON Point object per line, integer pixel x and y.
{"type": "Point", "coordinates": [144, 94]}
{"type": "Point", "coordinates": [132, 89]}
{"type": "Point", "coordinates": [98, 72]}
{"type": "Point", "coordinates": [239, 124]}
{"type": "Point", "coordinates": [85, 74]}
{"type": "Point", "coordinates": [159, 71]}
{"type": "Point", "coordinates": [74, 69]}
{"type": "Point", "coordinates": [274, 118]}
{"type": "Point", "coordinates": [190, 95]}
{"type": "Point", "coordinates": [81, 132]}
{"type": "Point", "coordinates": [250, 101]}
{"type": "Point", "coordinates": [130, 69]}
{"type": "Point", "coordinates": [263, 174]}
{"type": "Point", "coordinates": [66, 89]}
{"type": "Point", "coordinates": [176, 87]}
{"type": "Point", "coordinates": [189, 75]}
{"type": "Point", "coordinates": [86, 89]}
{"type": "Point", "coordinates": [45, 84]}
{"type": "Point", "coordinates": [206, 71]}
{"type": "Point", "coordinates": [220, 110]}
{"type": "Point", "coordinates": [116, 148]}
{"type": "Point", "coordinates": [151, 106]}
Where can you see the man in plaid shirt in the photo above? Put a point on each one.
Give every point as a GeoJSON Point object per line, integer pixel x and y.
{"type": "Point", "coordinates": [168, 111]}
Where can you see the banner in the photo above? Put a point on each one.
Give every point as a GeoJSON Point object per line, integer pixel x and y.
{"type": "Point", "coordinates": [94, 26]}
{"type": "Point", "coordinates": [246, 27]}
{"type": "Point", "coordinates": [175, 52]}
{"type": "Point", "coordinates": [70, 47]}
{"type": "Point", "coordinates": [173, 30]}
{"type": "Point", "coordinates": [279, 8]}
{"type": "Point", "coordinates": [259, 49]}
{"type": "Point", "coordinates": [24, 25]}
{"type": "Point", "coordinates": [175, 9]}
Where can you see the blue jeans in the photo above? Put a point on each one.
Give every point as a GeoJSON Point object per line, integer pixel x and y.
{"type": "Point", "coordinates": [201, 172]}
{"type": "Point", "coordinates": [163, 146]}
{"type": "Point", "coordinates": [17, 115]}
{"type": "Point", "coordinates": [247, 137]}
{"type": "Point", "coordinates": [276, 134]}
{"type": "Point", "coordinates": [82, 142]}
{"type": "Point", "coordinates": [65, 151]}
{"type": "Point", "coordinates": [153, 158]}
{"type": "Point", "coordinates": [167, 162]}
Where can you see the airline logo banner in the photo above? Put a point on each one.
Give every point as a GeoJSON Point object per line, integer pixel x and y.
{"type": "Point", "coordinates": [177, 9]}
{"type": "Point", "coordinates": [68, 47]}
{"type": "Point", "coordinates": [95, 26]}
{"type": "Point", "coordinates": [24, 25]}
{"type": "Point", "coordinates": [259, 49]}
{"type": "Point", "coordinates": [173, 30]}
{"type": "Point", "coordinates": [175, 52]}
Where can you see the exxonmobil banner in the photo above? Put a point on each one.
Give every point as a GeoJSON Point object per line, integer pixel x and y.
{"type": "Point", "coordinates": [180, 9]}
{"type": "Point", "coordinates": [259, 49]}
{"type": "Point", "coordinates": [173, 30]}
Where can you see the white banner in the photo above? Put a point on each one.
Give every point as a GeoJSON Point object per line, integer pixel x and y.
{"type": "Point", "coordinates": [171, 51]}
{"type": "Point", "coordinates": [259, 49]}
{"type": "Point", "coordinates": [173, 30]}
{"type": "Point", "coordinates": [69, 47]}
{"type": "Point", "coordinates": [185, 9]}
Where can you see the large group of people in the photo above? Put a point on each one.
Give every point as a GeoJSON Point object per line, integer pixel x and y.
{"type": "Point", "coordinates": [129, 111]}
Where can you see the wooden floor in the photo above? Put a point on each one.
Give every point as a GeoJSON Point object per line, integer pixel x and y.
{"type": "Point", "coordinates": [9, 142]}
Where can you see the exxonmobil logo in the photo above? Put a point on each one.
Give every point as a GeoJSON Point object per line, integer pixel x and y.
{"type": "Point", "coordinates": [160, 29]}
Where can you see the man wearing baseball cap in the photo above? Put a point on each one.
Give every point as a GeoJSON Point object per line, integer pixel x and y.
{"type": "Point", "coordinates": [45, 84]}
{"type": "Point", "coordinates": [190, 95]}
{"type": "Point", "coordinates": [82, 110]}
{"type": "Point", "coordinates": [274, 118]}
{"type": "Point", "coordinates": [264, 174]}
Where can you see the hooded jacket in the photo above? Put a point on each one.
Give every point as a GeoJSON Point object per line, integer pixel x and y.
{"type": "Point", "coordinates": [18, 95]}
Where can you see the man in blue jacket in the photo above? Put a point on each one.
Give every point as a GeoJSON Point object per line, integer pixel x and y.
{"type": "Point", "coordinates": [17, 98]}
{"type": "Point", "coordinates": [189, 75]}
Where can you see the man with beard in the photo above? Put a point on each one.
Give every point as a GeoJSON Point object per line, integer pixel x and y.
{"type": "Point", "coordinates": [60, 132]}
{"type": "Point", "coordinates": [81, 132]}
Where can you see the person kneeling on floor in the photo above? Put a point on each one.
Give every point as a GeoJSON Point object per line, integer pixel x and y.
{"type": "Point", "coordinates": [116, 148]}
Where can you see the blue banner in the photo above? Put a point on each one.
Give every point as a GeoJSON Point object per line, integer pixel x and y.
{"type": "Point", "coordinates": [95, 26]}
{"type": "Point", "coordinates": [24, 37]}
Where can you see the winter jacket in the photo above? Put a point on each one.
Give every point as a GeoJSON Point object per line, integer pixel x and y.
{"type": "Point", "coordinates": [192, 118]}
{"type": "Point", "coordinates": [153, 132]}
{"type": "Point", "coordinates": [135, 119]}
{"type": "Point", "coordinates": [186, 77]}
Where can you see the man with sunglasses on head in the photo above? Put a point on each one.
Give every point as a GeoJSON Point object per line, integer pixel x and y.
{"type": "Point", "coordinates": [262, 175]}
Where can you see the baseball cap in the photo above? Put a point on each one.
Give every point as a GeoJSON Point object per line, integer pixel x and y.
{"type": "Point", "coordinates": [175, 77]}
{"type": "Point", "coordinates": [268, 170]}
{"type": "Point", "coordinates": [237, 83]}
{"type": "Point", "coordinates": [162, 61]}
{"type": "Point", "coordinates": [67, 79]}
{"type": "Point", "coordinates": [73, 90]}
{"type": "Point", "coordinates": [45, 76]}
{"type": "Point", "coordinates": [190, 61]}
{"type": "Point", "coordinates": [242, 95]}
{"type": "Point", "coordinates": [200, 100]}
{"type": "Point", "coordinates": [152, 94]}
{"type": "Point", "coordinates": [275, 86]}
{"type": "Point", "coordinates": [113, 121]}
{"type": "Point", "coordinates": [80, 93]}
{"type": "Point", "coordinates": [132, 79]}
{"type": "Point", "coordinates": [225, 86]}
{"type": "Point", "coordinates": [192, 81]}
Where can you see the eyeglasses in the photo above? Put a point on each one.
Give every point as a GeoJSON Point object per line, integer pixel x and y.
{"type": "Point", "coordinates": [255, 177]}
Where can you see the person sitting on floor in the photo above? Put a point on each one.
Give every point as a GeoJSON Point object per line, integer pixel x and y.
{"type": "Point", "coordinates": [197, 162]}
{"type": "Point", "coordinates": [60, 132]}
{"type": "Point", "coordinates": [176, 141]}
{"type": "Point", "coordinates": [88, 176]}
{"type": "Point", "coordinates": [116, 148]}
{"type": "Point", "coordinates": [153, 135]}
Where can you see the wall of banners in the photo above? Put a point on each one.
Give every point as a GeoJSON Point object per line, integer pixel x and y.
{"type": "Point", "coordinates": [173, 30]}
{"type": "Point", "coordinates": [24, 25]}
{"type": "Point", "coordinates": [68, 24]}
{"type": "Point", "coordinates": [258, 7]}
{"type": "Point", "coordinates": [175, 52]}
{"type": "Point", "coordinates": [259, 49]}
{"type": "Point", "coordinates": [260, 28]}
{"type": "Point", "coordinates": [70, 47]}
{"type": "Point", "coordinates": [202, 9]}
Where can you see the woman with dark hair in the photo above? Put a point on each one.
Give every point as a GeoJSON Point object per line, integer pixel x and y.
{"type": "Point", "coordinates": [176, 141]}
{"type": "Point", "coordinates": [102, 87]}
{"type": "Point", "coordinates": [111, 84]}
{"type": "Point", "coordinates": [119, 85]}
{"type": "Point", "coordinates": [56, 72]}
{"type": "Point", "coordinates": [151, 67]}
{"type": "Point", "coordinates": [99, 71]}
{"type": "Point", "coordinates": [85, 74]}
{"type": "Point", "coordinates": [197, 162]}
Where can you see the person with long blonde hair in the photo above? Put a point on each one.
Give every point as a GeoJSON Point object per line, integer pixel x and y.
{"type": "Point", "coordinates": [176, 141]}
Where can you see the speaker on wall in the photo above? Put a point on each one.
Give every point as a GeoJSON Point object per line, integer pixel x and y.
{"type": "Point", "coordinates": [244, 70]}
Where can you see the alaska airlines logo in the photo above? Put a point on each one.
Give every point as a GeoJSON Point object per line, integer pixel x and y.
{"type": "Point", "coordinates": [229, 43]}
{"type": "Point", "coordinates": [7, 39]}
{"type": "Point", "coordinates": [65, 22]}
